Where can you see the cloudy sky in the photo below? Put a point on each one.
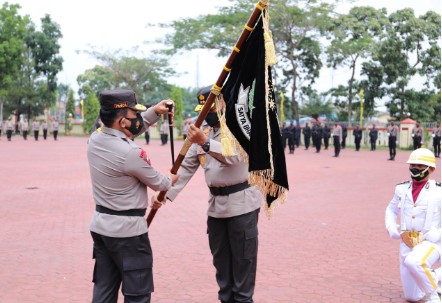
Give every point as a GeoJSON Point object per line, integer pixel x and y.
{"type": "Point", "coordinates": [111, 25]}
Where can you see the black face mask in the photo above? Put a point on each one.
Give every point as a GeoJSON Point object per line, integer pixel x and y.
{"type": "Point", "coordinates": [212, 119]}
{"type": "Point", "coordinates": [419, 174]}
{"type": "Point", "coordinates": [136, 124]}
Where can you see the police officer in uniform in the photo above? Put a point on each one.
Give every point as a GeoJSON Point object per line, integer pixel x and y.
{"type": "Point", "coordinates": [392, 132]}
{"type": "Point", "coordinates": [436, 140]}
{"type": "Point", "coordinates": [307, 132]}
{"type": "Point", "coordinates": [55, 126]}
{"type": "Point", "coordinates": [357, 133]}
{"type": "Point", "coordinates": [9, 128]}
{"type": "Point", "coordinates": [337, 138]}
{"type": "Point", "coordinates": [327, 134]}
{"type": "Point", "coordinates": [373, 137]}
{"type": "Point", "coordinates": [36, 128]}
{"type": "Point", "coordinates": [234, 205]}
{"type": "Point", "coordinates": [416, 133]}
{"type": "Point", "coordinates": [25, 128]}
{"type": "Point", "coordinates": [121, 172]}
{"type": "Point", "coordinates": [417, 204]}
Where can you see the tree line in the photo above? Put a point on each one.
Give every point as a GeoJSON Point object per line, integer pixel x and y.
{"type": "Point", "coordinates": [382, 55]}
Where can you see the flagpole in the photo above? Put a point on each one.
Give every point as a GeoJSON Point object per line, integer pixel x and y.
{"type": "Point", "coordinates": [248, 28]}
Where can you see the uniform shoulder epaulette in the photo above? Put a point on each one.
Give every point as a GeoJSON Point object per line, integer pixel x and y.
{"type": "Point", "coordinates": [405, 182]}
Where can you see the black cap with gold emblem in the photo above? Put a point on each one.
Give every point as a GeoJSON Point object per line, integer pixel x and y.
{"type": "Point", "coordinates": [118, 99]}
{"type": "Point", "coordinates": [202, 96]}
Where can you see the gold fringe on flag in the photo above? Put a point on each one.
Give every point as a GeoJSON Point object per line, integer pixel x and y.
{"type": "Point", "coordinates": [263, 179]}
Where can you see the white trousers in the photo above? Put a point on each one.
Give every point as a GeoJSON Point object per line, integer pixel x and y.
{"type": "Point", "coordinates": [417, 275]}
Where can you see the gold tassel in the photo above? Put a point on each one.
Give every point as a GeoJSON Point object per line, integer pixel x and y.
{"type": "Point", "coordinates": [226, 136]}
{"type": "Point", "coordinates": [271, 58]}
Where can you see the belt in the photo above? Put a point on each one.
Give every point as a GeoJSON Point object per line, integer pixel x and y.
{"type": "Point", "coordinates": [136, 212]}
{"type": "Point", "coordinates": [227, 190]}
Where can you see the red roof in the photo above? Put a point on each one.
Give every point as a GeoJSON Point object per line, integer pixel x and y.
{"type": "Point", "coordinates": [408, 121]}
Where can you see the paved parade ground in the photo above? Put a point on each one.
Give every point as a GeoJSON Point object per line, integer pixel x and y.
{"type": "Point", "coordinates": [326, 244]}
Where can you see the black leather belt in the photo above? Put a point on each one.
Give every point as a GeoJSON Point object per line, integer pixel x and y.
{"type": "Point", "coordinates": [227, 190]}
{"type": "Point", "coordinates": [136, 212]}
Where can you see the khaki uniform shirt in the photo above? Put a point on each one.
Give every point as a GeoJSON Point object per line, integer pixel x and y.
{"type": "Point", "coordinates": [35, 126]}
{"type": "Point", "coordinates": [55, 125]}
{"type": "Point", "coordinates": [417, 131]}
{"type": "Point", "coordinates": [337, 131]}
{"type": "Point", "coordinates": [121, 172]}
{"type": "Point", "coordinates": [25, 126]}
{"type": "Point", "coordinates": [393, 130]}
{"type": "Point", "coordinates": [9, 125]}
{"type": "Point", "coordinates": [219, 171]}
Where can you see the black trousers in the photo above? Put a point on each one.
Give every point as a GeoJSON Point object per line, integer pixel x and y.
{"type": "Point", "coordinates": [36, 135]}
{"type": "Point", "coordinates": [126, 261]}
{"type": "Point", "coordinates": [436, 145]}
{"type": "Point", "coordinates": [25, 134]}
{"type": "Point", "coordinates": [373, 144]}
{"type": "Point", "coordinates": [306, 141]}
{"type": "Point", "coordinates": [9, 134]}
{"type": "Point", "coordinates": [234, 246]}
{"type": "Point", "coordinates": [343, 141]}
{"type": "Point", "coordinates": [417, 142]}
{"type": "Point", "coordinates": [337, 145]}
{"type": "Point", "coordinates": [164, 138]}
{"type": "Point", "coordinates": [45, 133]}
{"type": "Point", "coordinates": [392, 146]}
{"type": "Point", "coordinates": [147, 137]}
{"type": "Point", "coordinates": [55, 133]}
{"type": "Point", "coordinates": [326, 139]}
{"type": "Point", "coordinates": [291, 140]}
{"type": "Point", "coordinates": [358, 143]}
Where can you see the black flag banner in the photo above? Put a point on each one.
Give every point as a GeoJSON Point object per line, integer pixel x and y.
{"type": "Point", "coordinates": [251, 117]}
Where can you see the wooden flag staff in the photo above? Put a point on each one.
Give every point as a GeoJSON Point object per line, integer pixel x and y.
{"type": "Point", "coordinates": [248, 28]}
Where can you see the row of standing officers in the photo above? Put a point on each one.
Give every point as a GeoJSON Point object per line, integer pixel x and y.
{"type": "Point", "coordinates": [291, 136]}
{"type": "Point", "coordinates": [24, 128]}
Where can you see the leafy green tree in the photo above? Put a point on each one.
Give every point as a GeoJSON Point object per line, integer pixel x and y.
{"type": "Point", "coordinates": [96, 79]}
{"type": "Point", "coordinates": [296, 26]}
{"type": "Point", "coordinates": [316, 105]}
{"type": "Point", "coordinates": [12, 46]}
{"type": "Point", "coordinates": [70, 104]}
{"type": "Point", "coordinates": [91, 111]}
{"type": "Point", "coordinates": [45, 49]}
{"type": "Point", "coordinates": [354, 37]}
{"type": "Point", "coordinates": [410, 48]}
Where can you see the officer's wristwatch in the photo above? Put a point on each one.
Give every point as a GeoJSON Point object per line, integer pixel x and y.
{"type": "Point", "coordinates": [206, 146]}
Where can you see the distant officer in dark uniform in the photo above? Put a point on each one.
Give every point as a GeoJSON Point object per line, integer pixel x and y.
{"type": "Point", "coordinates": [297, 135]}
{"type": "Point", "coordinates": [436, 140]}
{"type": "Point", "coordinates": [357, 133]}
{"type": "Point", "coordinates": [291, 137]}
{"type": "Point", "coordinates": [121, 172]}
{"type": "Point", "coordinates": [327, 134]}
{"type": "Point", "coordinates": [317, 136]}
{"type": "Point", "coordinates": [344, 136]}
{"type": "Point", "coordinates": [284, 135]}
{"type": "Point", "coordinates": [373, 137]}
{"type": "Point", "coordinates": [233, 208]}
{"type": "Point", "coordinates": [307, 131]}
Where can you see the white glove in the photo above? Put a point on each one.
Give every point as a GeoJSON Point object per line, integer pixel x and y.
{"type": "Point", "coordinates": [393, 232]}
{"type": "Point", "coordinates": [433, 235]}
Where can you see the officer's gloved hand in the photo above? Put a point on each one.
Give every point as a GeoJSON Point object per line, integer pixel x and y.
{"type": "Point", "coordinates": [393, 232]}
{"type": "Point", "coordinates": [155, 203]}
